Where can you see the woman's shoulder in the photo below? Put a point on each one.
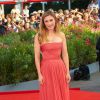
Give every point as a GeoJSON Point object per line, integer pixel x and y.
{"type": "Point", "coordinates": [37, 35]}
{"type": "Point", "coordinates": [36, 39]}
{"type": "Point", "coordinates": [62, 35]}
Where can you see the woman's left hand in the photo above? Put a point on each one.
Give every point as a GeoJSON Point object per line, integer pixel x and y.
{"type": "Point", "coordinates": [68, 78]}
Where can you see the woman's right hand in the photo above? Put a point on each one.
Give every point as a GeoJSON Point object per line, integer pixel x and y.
{"type": "Point", "coordinates": [41, 79]}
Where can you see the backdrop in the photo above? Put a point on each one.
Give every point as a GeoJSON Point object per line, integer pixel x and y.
{"type": "Point", "coordinates": [14, 1]}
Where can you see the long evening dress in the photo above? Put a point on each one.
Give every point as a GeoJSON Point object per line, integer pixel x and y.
{"type": "Point", "coordinates": [55, 86]}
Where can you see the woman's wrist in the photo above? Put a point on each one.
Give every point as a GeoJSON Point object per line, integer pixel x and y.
{"type": "Point", "coordinates": [68, 73]}
{"type": "Point", "coordinates": [39, 73]}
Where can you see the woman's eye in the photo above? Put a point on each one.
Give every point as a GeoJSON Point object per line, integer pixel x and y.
{"type": "Point", "coordinates": [46, 21]}
{"type": "Point", "coordinates": [51, 20]}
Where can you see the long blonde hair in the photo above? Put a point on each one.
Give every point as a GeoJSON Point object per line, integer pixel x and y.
{"type": "Point", "coordinates": [43, 33]}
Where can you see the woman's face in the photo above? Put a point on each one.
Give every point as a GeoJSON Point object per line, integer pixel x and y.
{"type": "Point", "coordinates": [49, 22]}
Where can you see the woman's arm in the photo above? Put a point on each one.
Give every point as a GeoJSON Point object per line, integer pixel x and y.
{"type": "Point", "coordinates": [65, 58]}
{"type": "Point", "coordinates": [65, 53]}
{"type": "Point", "coordinates": [37, 58]}
{"type": "Point", "coordinates": [37, 53]}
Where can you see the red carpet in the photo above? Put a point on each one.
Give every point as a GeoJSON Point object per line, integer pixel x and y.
{"type": "Point", "coordinates": [75, 94]}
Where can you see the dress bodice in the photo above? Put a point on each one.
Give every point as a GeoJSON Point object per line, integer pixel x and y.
{"type": "Point", "coordinates": [51, 50]}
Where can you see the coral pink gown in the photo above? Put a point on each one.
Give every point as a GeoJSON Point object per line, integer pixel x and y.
{"type": "Point", "coordinates": [55, 86]}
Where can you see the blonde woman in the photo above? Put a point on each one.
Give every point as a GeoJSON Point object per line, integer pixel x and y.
{"type": "Point", "coordinates": [53, 69]}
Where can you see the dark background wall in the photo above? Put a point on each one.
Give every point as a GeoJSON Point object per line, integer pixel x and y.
{"type": "Point", "coordinates": [81, 4]}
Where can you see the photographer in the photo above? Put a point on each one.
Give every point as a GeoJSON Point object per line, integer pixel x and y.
{"type": "Point", "coordinates": [93, 6]}
{"type": "Point", "coordinates": [2, 28]}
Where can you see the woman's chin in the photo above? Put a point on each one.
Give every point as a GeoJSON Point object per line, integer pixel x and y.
{"type": "Point", "coordinates": [50, 29]}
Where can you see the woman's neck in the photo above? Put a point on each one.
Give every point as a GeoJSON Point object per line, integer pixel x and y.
{"type": "Point", "coordinates": [51, 32]}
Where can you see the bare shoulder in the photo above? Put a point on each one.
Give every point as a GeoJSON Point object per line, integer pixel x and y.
{"type": "Point", "coordinates": [36, 38]}
{"type": "Point", "coordinates": [36, 35]}
{"type": "Point", "coordinates": [62, 35]}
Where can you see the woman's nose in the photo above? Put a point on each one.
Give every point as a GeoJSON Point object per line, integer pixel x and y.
{"type": "Point", "coordinates": [49, 22]}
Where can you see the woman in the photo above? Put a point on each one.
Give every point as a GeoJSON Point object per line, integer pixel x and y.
{"type": "Point", "coordinates": [53, 70]}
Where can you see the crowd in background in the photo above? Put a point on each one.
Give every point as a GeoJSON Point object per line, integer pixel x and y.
{"type": "Point", "coordinates": [17, 21]}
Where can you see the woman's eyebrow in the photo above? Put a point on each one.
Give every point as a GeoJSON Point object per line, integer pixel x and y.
{"type": "Point", "coordinates": [45, 20]}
